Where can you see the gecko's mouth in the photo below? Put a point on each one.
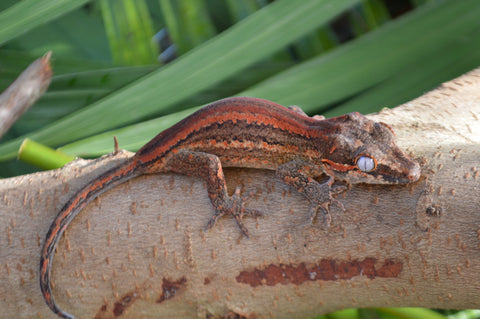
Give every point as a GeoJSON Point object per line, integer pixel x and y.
{"type": "Point", "coordinates": [410, 175]}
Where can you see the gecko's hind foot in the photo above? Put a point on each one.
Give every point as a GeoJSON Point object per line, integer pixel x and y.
{"type": "Point", "coordinates": [235, 207]}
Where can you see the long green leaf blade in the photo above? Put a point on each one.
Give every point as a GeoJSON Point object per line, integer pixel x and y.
{"type": "Point", "coordinates": [28, 14]}
{"type": "Point", "coordinates": [254, 38]}
{"type": "Point", "coordinates": [130, 30]}
{"type": "Point", "coordinates": [324, 79]}
{"type": "Point", "coordinates": [459, 57]}
{"type": "Point", "coordinates": [373, 58]}
{"type": "Point", "coordinates": [188, 23]}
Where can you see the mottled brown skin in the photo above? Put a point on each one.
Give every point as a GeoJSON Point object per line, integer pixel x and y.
{"type": "Point", "coordinates": [255, 133]}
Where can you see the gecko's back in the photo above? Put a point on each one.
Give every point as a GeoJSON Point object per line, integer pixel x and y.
{"type": "Point", "coordinates": [243, 132]}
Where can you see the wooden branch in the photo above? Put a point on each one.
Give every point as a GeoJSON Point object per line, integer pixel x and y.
{"type": "Point", "coordinates": [24, 92]}
{"type": "Point", "coordinates": [139, 249]}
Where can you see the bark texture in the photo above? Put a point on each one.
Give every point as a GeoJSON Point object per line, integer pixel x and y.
{"type": "Point", "coordinates": [139, 250]}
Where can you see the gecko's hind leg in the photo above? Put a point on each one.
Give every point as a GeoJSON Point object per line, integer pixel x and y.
{"type": "Point", "coordinates": [209, 168]}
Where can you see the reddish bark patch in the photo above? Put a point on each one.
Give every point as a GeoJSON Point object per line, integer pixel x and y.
{"type": "Point", "coordinates": [119, 306]}
{"type": "Point", "coordinates": [102, 313]}
{"type": "Point", "coordinates": [389, 269]}
{"type": "Point", "coordinates": [325, 269]}
{"type": "Point", "coordinates": [125, 301]}
{"type": "Point", "coordinates": [171, 288]}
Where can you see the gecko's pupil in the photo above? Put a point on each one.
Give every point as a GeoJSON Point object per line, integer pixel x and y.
{"type": "Point", "coordinates": [365, 164]}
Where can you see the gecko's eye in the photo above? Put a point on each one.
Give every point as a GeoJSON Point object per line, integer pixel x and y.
{"type": "Point", "coordinates": [366, 163]}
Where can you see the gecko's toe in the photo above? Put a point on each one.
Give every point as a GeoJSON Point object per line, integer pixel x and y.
{"type": "Point", "coordinates": [337, 204]}
{"type": "Point", "coordinates": [241, 225]}
{"type": "Point", "coordinates": [253, 213]}
{"type": "Point", "coordinates": [338, 189]}
{"type": "Point", "coordinates": [313, 212]}
{"type": "Point", "coordinates": [235, 207]}
{"type": "Point", "coordinates": [213, 220]}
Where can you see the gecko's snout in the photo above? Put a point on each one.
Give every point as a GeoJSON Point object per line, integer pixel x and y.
{"type": "Point", "coordinates": [414, 173]}
{"type": "Point", "coordinates": [410, 173]}
{"type": "Point", "coordinates": [404, 171]}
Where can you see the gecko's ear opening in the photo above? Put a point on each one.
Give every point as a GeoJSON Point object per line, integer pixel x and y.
{"type": "Point", "coordinates": [366, 163]}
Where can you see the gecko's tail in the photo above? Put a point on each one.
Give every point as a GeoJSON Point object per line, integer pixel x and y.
{"type": "Point", "coordinates": [89, 192]}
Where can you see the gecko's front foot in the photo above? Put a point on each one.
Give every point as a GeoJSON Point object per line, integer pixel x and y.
{"type": "Point", "coordinates": [323, 203]}
{"type": "Point", "coordinates": [325, 209]}
{"type": "Point", "coordinates": [234, 206]}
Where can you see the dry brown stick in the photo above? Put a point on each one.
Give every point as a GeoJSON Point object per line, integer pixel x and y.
{"type": "Point", "coordinates": [24, 92]}
{"type": "Point", "coordinates": [139, 249]}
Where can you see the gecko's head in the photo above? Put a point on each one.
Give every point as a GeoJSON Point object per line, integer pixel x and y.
{"type": "Point", "coordinates": [364, 151]}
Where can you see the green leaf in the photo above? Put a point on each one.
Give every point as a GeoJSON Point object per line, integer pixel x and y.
{"type": "Point", "coordinates": [76, 34]}
{"type": "Point", "coordinates": [29, 14]}
{"type": "Point", "coordinates": [375, 13]}
{"type": "Point", "coordinates": [374, 57]}
{"type": "Point", "coordinates": [255, 37]}
{"type": "Point", "coordinates": [188, 23]}
{"type": "Point", "coordinates": [69, 92]}
{"type": "Point", "coordinates": [14, 62]}
{"type": "Point", "coordinates": [459, 56]}
{"type": "Point", "coordinates": [343, 314]}
{"type": "Point", "coordinates": [241, 9]}
{"type": "Point", "coordinates": [394, 58]}
{"type": "Point", "coordinates": [130, 31]}
{"type": "Point", "coordinates": [105, 78]}
{"type": "Point", "coordinates": [130, 138]}
{"type": "Point", "coordinates": [408, 313]}
{"type": "Point", "coordinates": [465, 314]}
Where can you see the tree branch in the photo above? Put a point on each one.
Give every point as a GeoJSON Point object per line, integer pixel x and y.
{"type": "Point", "coordinates": [24, 92]}
{"type": "Point", "coordinates": [139, 249]}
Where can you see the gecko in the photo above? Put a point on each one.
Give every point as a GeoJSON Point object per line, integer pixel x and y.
{"type": "Point", "coordinates": [252, 133]}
